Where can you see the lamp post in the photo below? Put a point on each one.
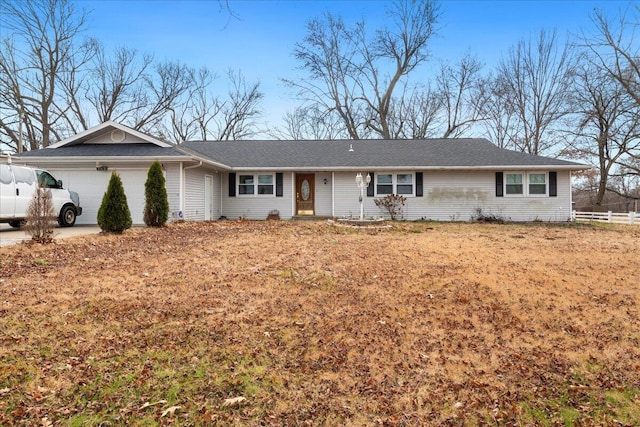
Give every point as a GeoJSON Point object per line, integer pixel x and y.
{"type": "Point", "coordinates": [362, 183]}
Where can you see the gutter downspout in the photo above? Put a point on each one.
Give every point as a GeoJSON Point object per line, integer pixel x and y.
{"type": "Point", "coordinates": [183, 185]}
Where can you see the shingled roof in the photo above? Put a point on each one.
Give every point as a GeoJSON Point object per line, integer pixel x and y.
{"type": "Point", "coordinates": [107, 150]}
{"type": "Point", "coordinates": [380, 154]}
{"type": "Point", "coordinates": [319, 155]}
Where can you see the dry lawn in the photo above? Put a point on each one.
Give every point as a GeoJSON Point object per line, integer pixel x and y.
{"type": "Point", "coordinates": [303, 323]}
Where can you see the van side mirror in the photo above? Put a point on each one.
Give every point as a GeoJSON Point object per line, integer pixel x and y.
{"type": "Point", "coordinates": [59, 183]}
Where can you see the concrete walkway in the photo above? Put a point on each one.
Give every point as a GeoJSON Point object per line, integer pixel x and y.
{"type": "Point", "coordinates": [10, 235]}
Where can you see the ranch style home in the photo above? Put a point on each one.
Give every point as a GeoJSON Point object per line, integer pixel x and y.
{"type": "Point", "coordinates": [442, 179]}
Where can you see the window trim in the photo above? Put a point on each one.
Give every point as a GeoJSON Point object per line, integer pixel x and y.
{"type": "Point", "coordinates": [394, 183]}
{"type": "Point", "coordinates": [526, 182]}
{"type": "Point", "coordinates": [506, 184]}
{"type": "Point", "coordinates": [256, 184]}
{"type": "Point", "coordinates": [546, 184]}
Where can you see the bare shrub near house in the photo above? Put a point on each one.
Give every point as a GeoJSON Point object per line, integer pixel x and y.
{"type": "Point", "coordinates": [393, 204]}
{"type": "Point", "coordinates": [481, 216]}
{"type": "Point", "coordinates": [41, 217]}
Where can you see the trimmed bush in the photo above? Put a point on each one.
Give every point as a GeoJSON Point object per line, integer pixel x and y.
{"type": "Point", "coordinates": [114, 215]}
{"type": "Point", "coordinates": [156, 201]}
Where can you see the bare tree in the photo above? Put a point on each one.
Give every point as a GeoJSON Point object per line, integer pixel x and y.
{"type": "Point", "coordinates": [163, 90]}
{"type": "Point", "coordinates": [616, 48]}
{"type": "Point", "coordinates": [115, 87]}
{"type": "Point", "coordinates": [241, 108]}
{"type": "Point", "coordinates": [462, 95]}
{"type": "Point", "coordinates": [309, 123]}
{"type": "Point", "coordinates": [608, 124]}
{"type": "Point", "coordinates": [204, 115]}
{"type": "Point", "coordinates": [417, 115]}
{"type": "Point", "coordinates": [500, 124]}
{"type": "Point", "coordinates": [347, 66]}
{"type": "Point", "coordinates": [534, 80]}
{"type": "Point", "coordinates": [611, 88]}
{"type": "Point", "coordinates": [42, 49]}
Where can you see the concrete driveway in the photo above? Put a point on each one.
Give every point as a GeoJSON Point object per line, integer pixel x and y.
{"type": "Point", "coordinates": [10, 235]}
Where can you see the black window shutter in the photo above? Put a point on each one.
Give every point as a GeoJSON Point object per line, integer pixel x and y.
{"type": "Point", "coordinates": [553, 184]}
{"type": "Point", "coordinates": [419, 184]}
{"type": "Point", "coordinates": [279, 184]}
{"type": "Point", "coordinates": [372, 185]}
{"type": "Point", "coordinates": [499, 184]}
{"type": "Point", "coordinates": [232, 184]}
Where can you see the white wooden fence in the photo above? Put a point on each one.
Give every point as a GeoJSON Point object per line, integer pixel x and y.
{"type": "Point", "coordinates": [612, 217]}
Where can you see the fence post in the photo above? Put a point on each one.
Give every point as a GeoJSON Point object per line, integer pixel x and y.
{"type": "Point", "coordinates": [610, 216]}
{"type": "Point", "coordinates": [632, 216]}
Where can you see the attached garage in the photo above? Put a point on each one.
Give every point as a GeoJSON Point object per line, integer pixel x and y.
{"type": "Point", "coordinates": [91, 186]}
{"type": "Point", "coordinates": [86, 161]}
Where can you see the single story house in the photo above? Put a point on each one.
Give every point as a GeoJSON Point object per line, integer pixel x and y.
{"type": "Point", "coordinates": [442, 179]}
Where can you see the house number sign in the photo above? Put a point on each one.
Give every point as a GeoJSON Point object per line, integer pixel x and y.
{"type": "Point", "coordinates": [305, 190]}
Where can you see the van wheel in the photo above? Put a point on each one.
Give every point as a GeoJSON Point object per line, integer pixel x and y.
{"type": "Point", "coordinates": [17, 224]}
{"type": "Point", "coordinates": [67, 216]}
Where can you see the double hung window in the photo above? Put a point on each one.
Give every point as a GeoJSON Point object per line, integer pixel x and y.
{"type": "Point", "coordinates": [514, 184]}
{"type": "Point", "coordinates": [259, 184]}
{"type": "Point", "coordinates": [526, 184]}
{"type": "Point", "coordinates": [395, 183]}
{"type": "Point", "coordinates": [537, 184]}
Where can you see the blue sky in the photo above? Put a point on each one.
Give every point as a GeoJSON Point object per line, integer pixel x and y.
{"type": "Point", "coordinates": [260, 39]}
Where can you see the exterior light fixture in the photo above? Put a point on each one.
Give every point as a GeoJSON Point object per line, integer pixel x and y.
{"type": "Point", "coordinates": [362, 183]}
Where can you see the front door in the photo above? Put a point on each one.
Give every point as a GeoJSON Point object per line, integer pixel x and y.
{"type": "Point", "coordinates": [305, 190]}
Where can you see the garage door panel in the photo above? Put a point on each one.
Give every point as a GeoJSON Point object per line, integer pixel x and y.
{"type": "Point", "coordinates": [91, 186]}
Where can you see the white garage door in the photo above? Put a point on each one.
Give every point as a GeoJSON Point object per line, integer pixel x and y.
{"type": "Point", "coordinates": [91, 186]}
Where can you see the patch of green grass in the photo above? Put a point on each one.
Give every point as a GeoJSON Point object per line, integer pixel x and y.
{"type": "Point", "coordinates": [532, 415]}
{"type": "Point", "coordinates": [569, 416]}
{"type": "Point", "coordinates": [40, 262]}
{"type": "Point", "coordinates": [600, 407]}
{"type": "Point", "coordinates": [625, 404]}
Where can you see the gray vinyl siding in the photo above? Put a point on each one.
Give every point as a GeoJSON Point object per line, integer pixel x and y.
{"type": "Point", "coordinates": [257, 207]}
{"type": "Point", "coordinates": [172, 183]}
{"type": "Point", "coordinates": [194, 193]}
{"type": "Point", "coordinates": [216, 196]}
{"type": "Point", "coordinates": [323, 203]}
{"type": "Point", "coordinates": [346, 196]}
{"type": "Point", "coordinates": [457, 195]}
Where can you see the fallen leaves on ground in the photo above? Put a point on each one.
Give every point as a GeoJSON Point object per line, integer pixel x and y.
{"type": "Point", "coordinates": [295, 323]}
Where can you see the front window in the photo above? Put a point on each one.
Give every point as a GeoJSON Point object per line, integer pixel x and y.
{"type": "Point", "coordinates": [258, 184]}
{"type": "Point", "coordinates": [537, 184]}
{"type": "Point", "coordinates": [265, 184]}
{"type": "Point", "coordinates": [394, 183]}
{"type": "Point", "coordinates": [404, 183]}
{"type": "Point", "coordinates": [245, 184]}
{"type": "Point", "coordinates": [514, 183]}
{"type": "Point", "coordinates": [385, 184]}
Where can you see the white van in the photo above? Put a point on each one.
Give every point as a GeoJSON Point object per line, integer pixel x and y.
{"type": "Point", "coordinates": [17, 187]}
